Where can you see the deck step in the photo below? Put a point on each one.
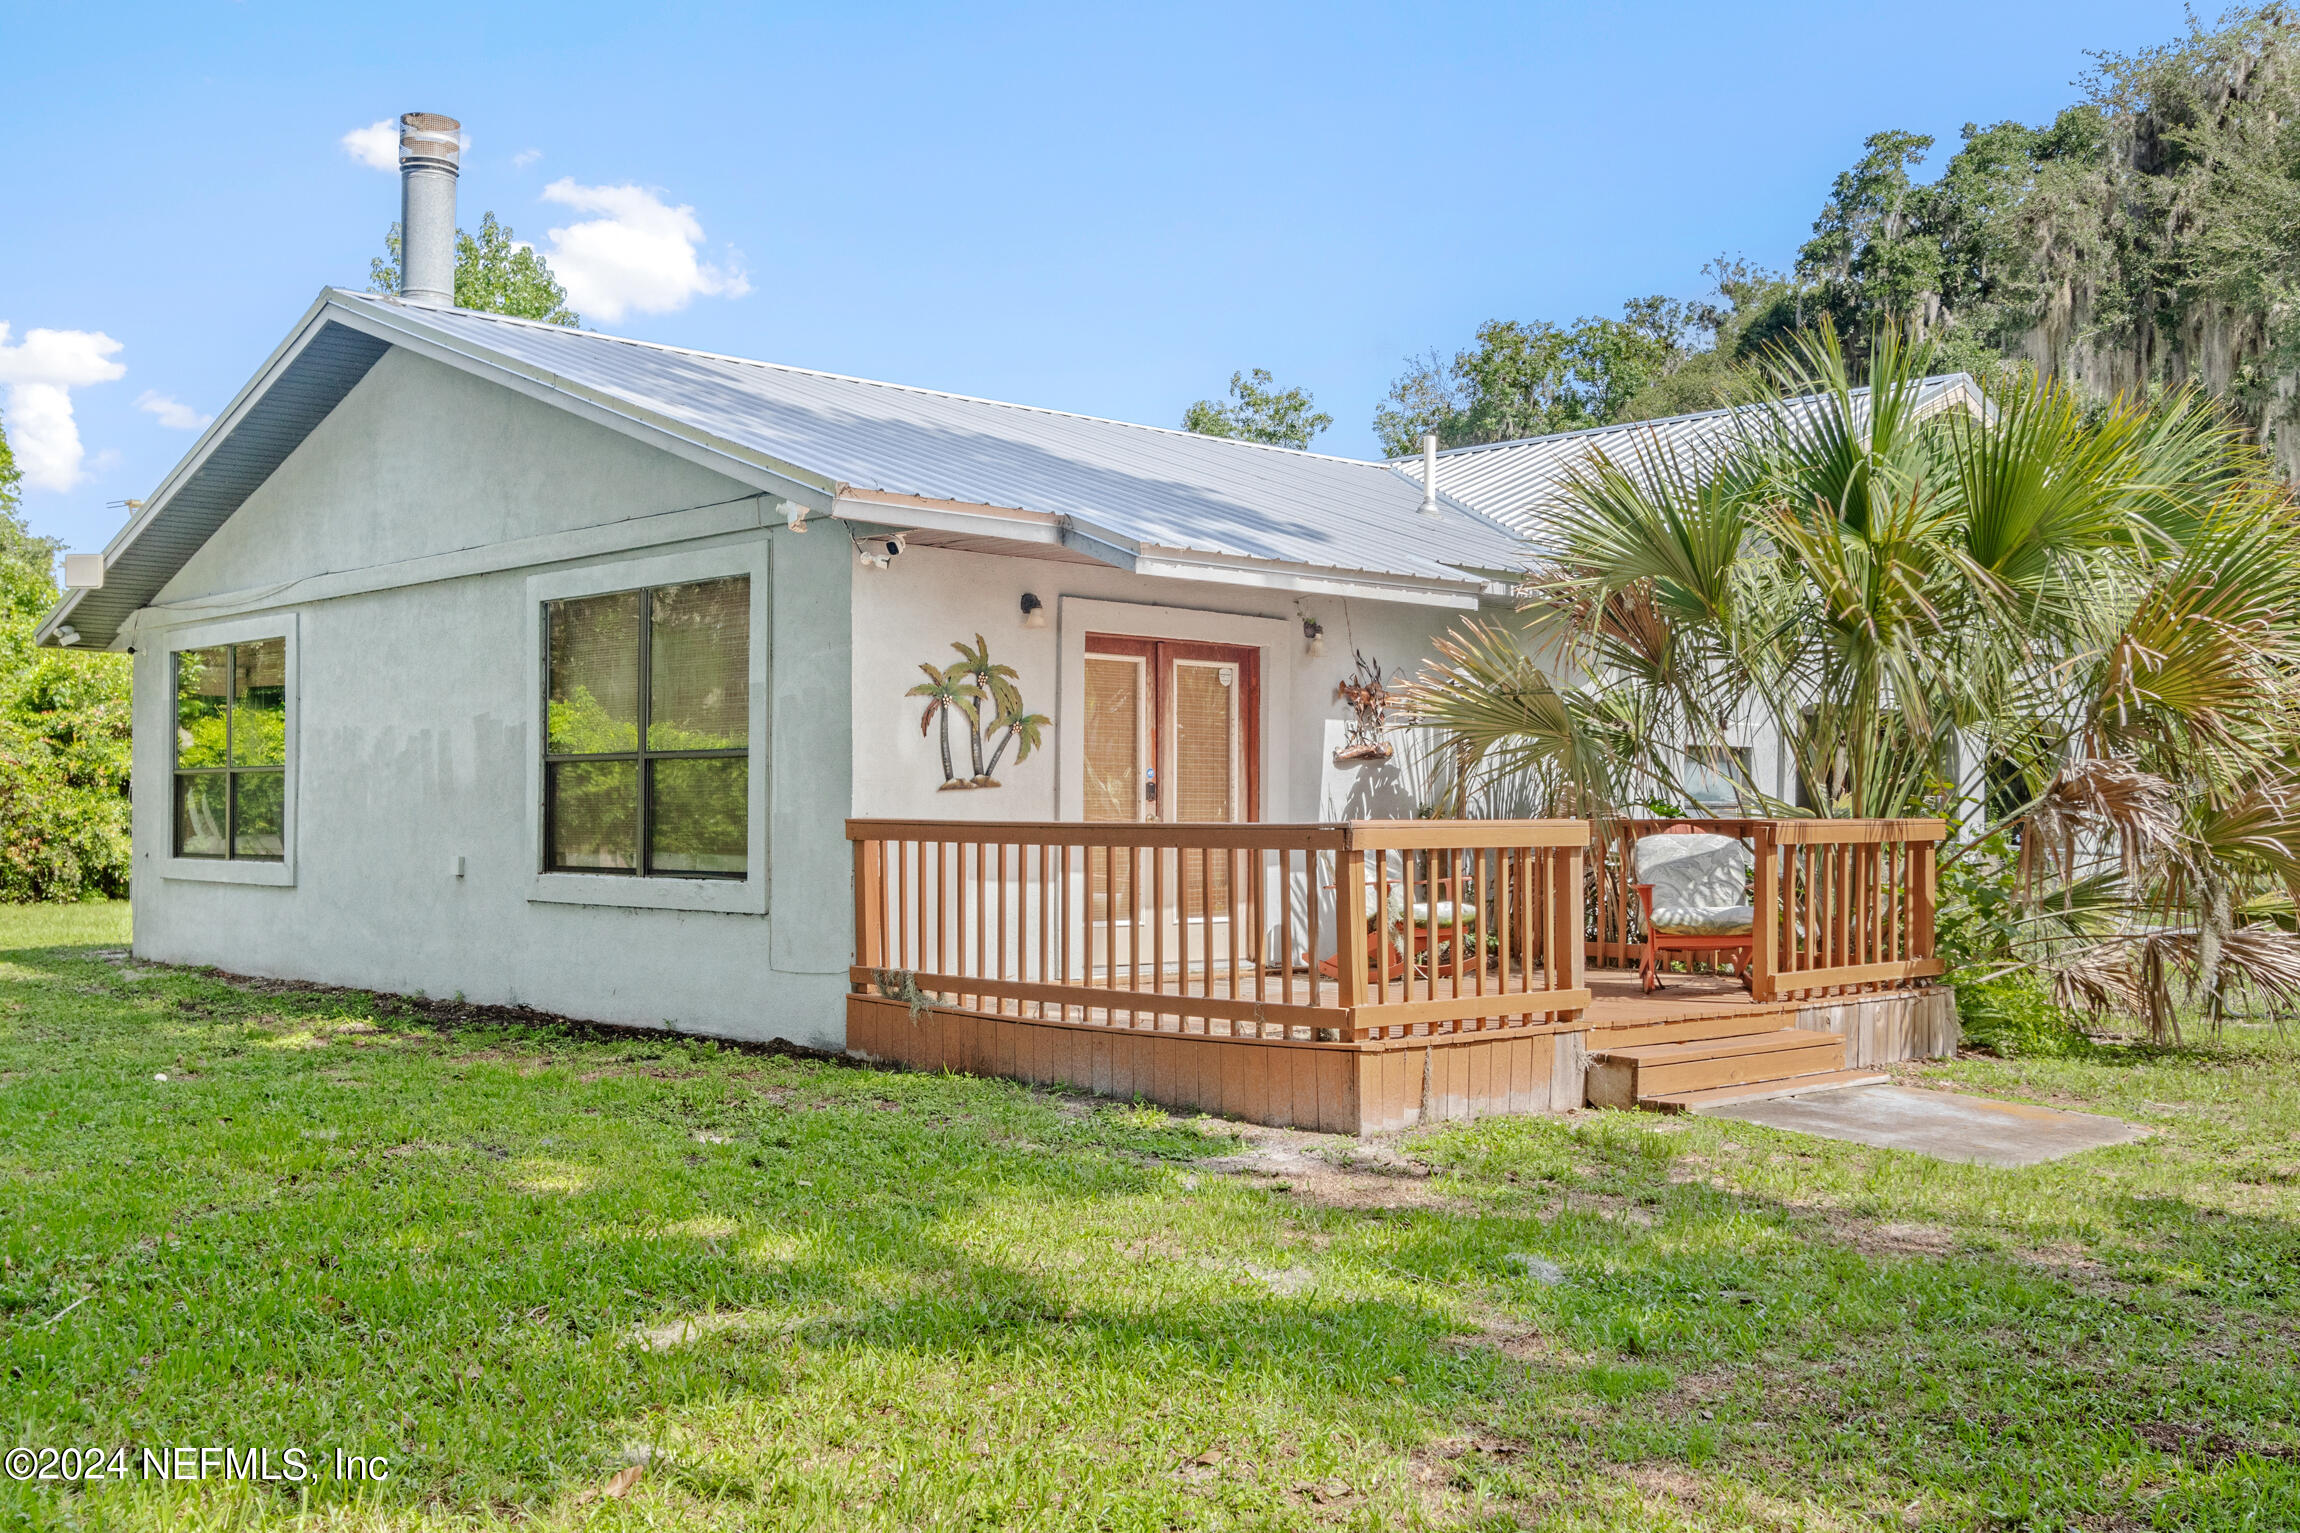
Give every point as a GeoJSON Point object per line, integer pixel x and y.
{"type": "Point", "coordinates": [1761, 1091]}
{"type": "Point", "coordinates": [1636, 1076]}
{"type": "Point", "coordinates": [1742, 1024]}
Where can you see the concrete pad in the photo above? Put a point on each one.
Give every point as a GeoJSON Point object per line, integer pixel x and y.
{"type": "Point", "coordinates": [1942, 1124]}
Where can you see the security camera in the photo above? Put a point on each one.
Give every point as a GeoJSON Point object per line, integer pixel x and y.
{"type": "Point", "coordinates": [879, 552]}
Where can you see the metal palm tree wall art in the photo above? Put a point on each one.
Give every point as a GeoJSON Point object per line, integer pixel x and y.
{"type": "Point", "coordinates": [986, 695]}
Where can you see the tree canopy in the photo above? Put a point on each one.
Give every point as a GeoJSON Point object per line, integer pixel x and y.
{"type": "Point", "coordinates": [63, 734]}
{"type": "Point", "coordinates": [494, 272]}
{"type": "Point", "coordinates": [2148, 236]}
{"type": "Point", "coordinates": [1259, 411]}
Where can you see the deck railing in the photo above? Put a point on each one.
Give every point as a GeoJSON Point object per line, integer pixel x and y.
{"type": "Point", "coordinates": [1345, 932]}
{"type": "Point", "coordinates": [1840, 904]}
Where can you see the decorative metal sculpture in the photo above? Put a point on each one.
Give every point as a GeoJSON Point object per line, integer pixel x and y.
{"type": "Point", "coordinates": [1364, 692]}
{"type": "Point", "coordinates": [977, 689]}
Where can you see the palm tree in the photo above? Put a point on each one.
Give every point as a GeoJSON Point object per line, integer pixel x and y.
{"type": "Point", "coordinates": [1024, 727]}
{"type": "Point", "coordinates": [997, 693]}
{"type": "Point", "coordinates": [2101, 602]}
{"type": "Point", "coordinates": [946, 692]}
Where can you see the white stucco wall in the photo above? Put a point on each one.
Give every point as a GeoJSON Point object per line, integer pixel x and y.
{"type": "Point", "coordinates": [413, 719]}
{"type": "Point", "coordinates": [912, 612]}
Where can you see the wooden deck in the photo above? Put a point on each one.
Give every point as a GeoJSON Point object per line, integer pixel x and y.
{"type": "Point", "coordinates": [1352, 977]}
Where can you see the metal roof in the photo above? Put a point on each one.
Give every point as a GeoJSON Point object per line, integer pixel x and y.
{"type": "Point", "coordinates": [1143, 497]}
{"type": "Point", "coordinates": [1515, 483]}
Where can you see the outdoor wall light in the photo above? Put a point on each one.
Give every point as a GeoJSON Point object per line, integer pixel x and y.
{"type": "Point", "coordinates": [1033, 611]}
{"type": "Point", "coordinates": [1315, 632]}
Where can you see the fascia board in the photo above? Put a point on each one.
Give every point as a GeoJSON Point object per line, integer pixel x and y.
{"type": "Point", "coordinates": [1308, 580]}
{"type": "Point", "coordinates": [227, 419]}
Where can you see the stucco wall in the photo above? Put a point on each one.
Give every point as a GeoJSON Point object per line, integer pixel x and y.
{"type": "Point", "coordinates": [912, 611]}
{"type": "Point", "coordinates": [412, 722]}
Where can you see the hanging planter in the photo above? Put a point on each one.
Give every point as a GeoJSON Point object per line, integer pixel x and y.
{"type": "Point", "coordinates": [1362, 689]}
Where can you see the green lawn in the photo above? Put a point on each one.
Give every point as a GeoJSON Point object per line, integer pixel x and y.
{"type": "Point", "coordinates": [512, 1261]}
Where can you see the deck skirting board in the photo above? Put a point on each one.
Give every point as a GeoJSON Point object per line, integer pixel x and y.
{"type": "Point", "coordinates": [1891, 1026]}
{"type": "Point", "coordinates": [1332, 1088]}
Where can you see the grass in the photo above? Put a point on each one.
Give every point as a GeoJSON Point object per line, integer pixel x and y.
{"type": "Point", "coordinates": [515, 1260]}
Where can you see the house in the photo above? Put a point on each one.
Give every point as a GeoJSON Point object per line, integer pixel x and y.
{"type": "Point", "coordinates": [482, 657]}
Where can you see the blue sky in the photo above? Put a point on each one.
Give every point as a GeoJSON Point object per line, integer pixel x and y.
{"type": "Point", "coordinates": [1104, 209]}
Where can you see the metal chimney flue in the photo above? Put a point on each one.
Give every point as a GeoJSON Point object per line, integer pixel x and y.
{"type": "Point", "coordinates": [1429, 505]}
{"type": "Point", "coordinates": [430, 151]}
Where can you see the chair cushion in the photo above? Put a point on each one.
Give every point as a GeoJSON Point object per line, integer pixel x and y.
{"type": "Point", "coordinates": [1721, 921]}
{"type": "Point", "coordinates": [1440, 914]}
{"type": "Point", "coordinates": [1694, 872]}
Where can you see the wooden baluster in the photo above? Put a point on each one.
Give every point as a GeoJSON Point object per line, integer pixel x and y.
{"type": "Point", "coordinates": [1381, 936]}
{"type": "Point", "coordinates": [1349, 921]}
{"type": "Point", "coordinates": [1765, 930]}
{"type": "Point", "coordinates": [1921, 899]}
{"type": "Point", "coordinates": [1477, 860]}
{"type": "Point", "coordinates": [1157, 932]}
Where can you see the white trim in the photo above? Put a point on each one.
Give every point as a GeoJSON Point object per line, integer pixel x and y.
{"type": "Point", "coordinates": [234, 870]}
{"type": "Point", "coordinates": [1277, 638]}
{"type": "Point", "coordinates": [744, 896]}
{"type": "Point", "coordinates": [734, 518]}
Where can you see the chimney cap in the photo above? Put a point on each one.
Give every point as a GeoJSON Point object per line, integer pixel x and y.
{"type": "Point", "coordinates": [430, 141]}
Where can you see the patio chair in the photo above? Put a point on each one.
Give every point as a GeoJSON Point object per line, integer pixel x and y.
{"type": "Point", "coordinates": [1693, 891]}
{"type": "Point", "coordinates": [1415, 933]}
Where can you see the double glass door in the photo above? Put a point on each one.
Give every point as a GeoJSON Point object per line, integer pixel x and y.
{"type": "Point", "coordinates": [1172, 734]}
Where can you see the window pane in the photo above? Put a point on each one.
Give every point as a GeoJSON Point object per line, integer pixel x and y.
{"type": "Point", "coordinates": [1113, 738]}
{"type": "Point", "coordinates": [1205, 741]}
{"type": "Point", "coordinates": [259, 821]}
{"type": "Point", "coordinates": [699, 688]}
{"type": "Point", "coordinates": [700, 821]}
{"type": "Point", "coordinates": [202, 676]}
{"type": "Point", "coordinates": [594, 815]}
{"type": "Point", "coordinates": [259, 704]}
{"type": "Point", "coordinates": [200, 801]}
{"type": "Point", "coordinates": [594, 701]}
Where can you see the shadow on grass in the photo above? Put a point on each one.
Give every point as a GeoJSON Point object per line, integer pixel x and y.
{"type": "Point", "coordinates": [357, 1219]}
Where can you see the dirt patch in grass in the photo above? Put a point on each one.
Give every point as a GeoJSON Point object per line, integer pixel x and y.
{"type": "Point", "coordinates": [2204, 1446]}
{"type": "Point", "coordinates": [1330, 1170]}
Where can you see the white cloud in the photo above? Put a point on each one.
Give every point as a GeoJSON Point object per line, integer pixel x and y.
{"type": "Point", "coordinates": [525, 158]}
{"type": "Point", "coordinates": [171, 412]}
{"type": "Point", "coordinates": [40, 373]}
{"type": "Point", "coordinates": [639, 253]}
{"type": "Point", "coordinates": [376, 146]}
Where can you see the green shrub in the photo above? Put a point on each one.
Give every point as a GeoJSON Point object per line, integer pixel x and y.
{"type": "Point", "coordinates": [2014, 1016]}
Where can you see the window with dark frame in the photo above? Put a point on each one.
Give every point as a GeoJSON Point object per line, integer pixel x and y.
{"type": "Point", "coordinates": [231, 752]}
{"type": "Point", "coordinates": [647, 719]}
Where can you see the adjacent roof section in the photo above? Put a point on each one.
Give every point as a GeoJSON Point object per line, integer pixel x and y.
{"type": "Point", "coordinates": [1516, 482]}
{"type": "Point", "coordinates": [1143, 497]}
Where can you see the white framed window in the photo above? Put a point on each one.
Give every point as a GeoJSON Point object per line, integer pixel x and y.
{"type": "Point", "coordinates": [232, 752]}
{"type": "Point", "coordinates": [647, 780]}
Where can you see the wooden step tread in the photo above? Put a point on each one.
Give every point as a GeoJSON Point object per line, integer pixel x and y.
{"type": "Point", "coordinates": [1691, 1049]}
{"type": "Point", "coordinates": [1760, 1091]}
{"type": "Point", "coordinates": [1733, 1025]}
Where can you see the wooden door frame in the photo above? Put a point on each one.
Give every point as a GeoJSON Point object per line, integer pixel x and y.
{"type": "Point", "coordinates": [1278, 796]}
{"type": "Point", "coordinates": [1158, 657]}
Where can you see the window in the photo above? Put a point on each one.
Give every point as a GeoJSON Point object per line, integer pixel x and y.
{"type": "Point", "coordinates": [231, 752]}
{"type": "Point", "coordinates": [646, 758]}
{"type": "Point", "coordinates": [1717, 772]}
